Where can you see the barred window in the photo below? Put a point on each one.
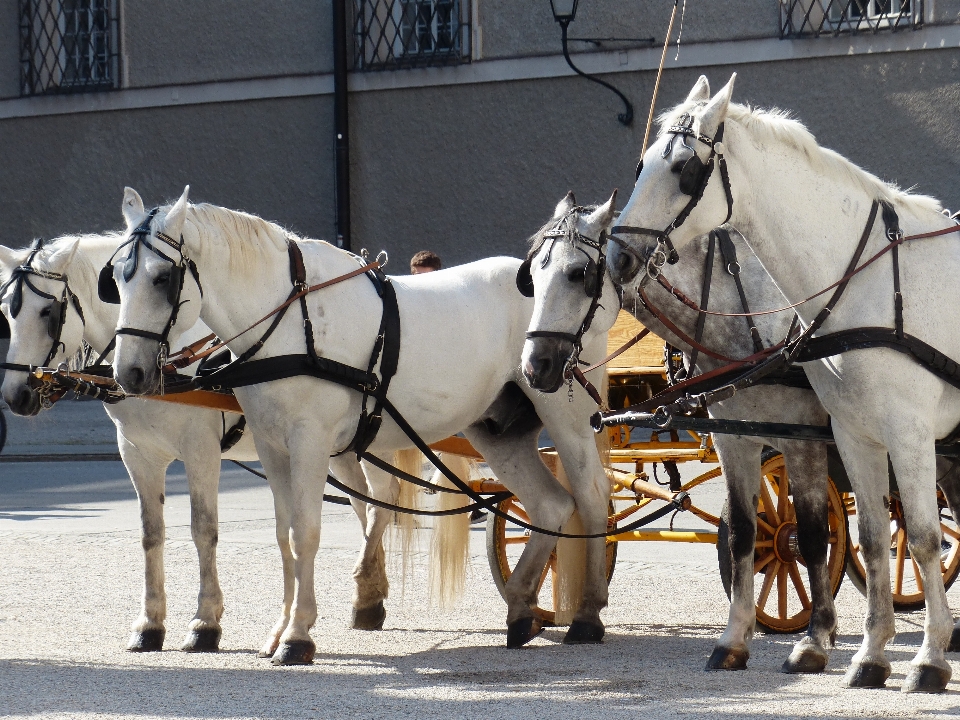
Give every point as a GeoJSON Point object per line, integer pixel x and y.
{"type": "Point", "coordinates": [813, 18]}
{"type": "Point", "coordinates": [67, 46]}
{"type": "Point", "coordinates": [410, 33]}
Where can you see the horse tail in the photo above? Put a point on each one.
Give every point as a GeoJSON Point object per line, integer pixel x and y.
{"type": "Point", "coordinates": [409, 461]}
{"type": "Point", "coordinates": [571, 563]}
{"type": "Point", "coordinates": [451, 538]}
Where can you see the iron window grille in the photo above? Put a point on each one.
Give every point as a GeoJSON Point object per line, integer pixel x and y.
{"type": "Point", "coordinates": [410, 33]}
{"type": "Point", "coordinates": [813, 18]}
{"type": "Point", "coordinates": [68, 46]}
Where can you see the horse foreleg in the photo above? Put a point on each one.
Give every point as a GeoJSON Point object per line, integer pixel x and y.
{"type": "Point", "coordinates": [807, 470]}
{"type": "Point", "coordinates": [915, 467]}
{"type": "Point", "coordinates": [370, 571]}
{"type": "Point", "coordinates": [203, 476]}
{"type": "Point", "coordinates": [276, 466]}
{"type": "Point", "coordinates": [514, 458]}
{"type": "Point", "coordinates": [148, 474]}
{"type": "Point", "coordinates": [741, 468]}
{"type": "Point", "coordinates": [309, 462]}
{"type": "Point", "coordinates": [591, 490]}
{"type": "Point", "coordinates": [866, 464]}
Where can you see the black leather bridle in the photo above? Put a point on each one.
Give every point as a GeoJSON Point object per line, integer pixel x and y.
{"type": "Point", "coordinates": [58, 306]}
{"type": "Point", "coordinates": [593, 273]}
{"type": "Point", "coordinates": [694, 177]}
{"type": "Point", "coordinates": [110, 293]}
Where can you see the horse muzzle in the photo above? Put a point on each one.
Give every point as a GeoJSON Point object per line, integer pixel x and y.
{"type": "Point", "coordinates": [137, 379]}
{"type": "Point", "coordinates": [544, 363]}
{"type": "Point", "coordinates": [22, 400]}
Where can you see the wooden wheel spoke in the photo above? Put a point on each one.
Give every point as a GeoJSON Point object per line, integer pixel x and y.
{"type": "Point", "coordinates": [798, 586]}
{"type": "Point", "coordinates": [782, 591]}
{"type": "Point", "coordinates": [516, 540]}
{"type": "Point", "coordinates": [768, 579]}
{"type": "Point", "coordinates": [520, 513]}
{"type": "Point", "coordinates": [550, 566]}
{"type": "Point", "coordinates": [916, 573]}
{"type": "Point", "coordinates": [783, 495]}
{"type": "Point", "coordinates": [768, 506]}
{"type": "Point", "coordinates": [901, 557]}
{"type": "Point", "coordinates": [947, 530]}
{"type": "Point", "coordinates": [765, 526]}
{"type": "Point", "coordinates": [762, 562]}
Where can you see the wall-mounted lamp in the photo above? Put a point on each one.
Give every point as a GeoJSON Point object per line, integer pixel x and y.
{"type": "Point", "coordinates": [564, 12]}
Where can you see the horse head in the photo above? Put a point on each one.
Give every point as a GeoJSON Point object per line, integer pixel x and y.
{"type": "Point", "coordinates": [682, 188]}
{"type": "Point", "coordinates": [565, 273]}
{"type": "Point", "coordinates": [158, 289]}
{"type": "Point", "coordinates": [46, 322]}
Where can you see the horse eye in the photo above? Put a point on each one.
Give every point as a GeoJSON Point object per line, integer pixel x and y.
{"type": "Point", "coordinates": [162, 279]}
{"type": "Point", "coordinates": [45, 312]}
{"type": "Point", "coordinates": [575, 275]}
{"type": "Point", "coordinates": [677, 167]}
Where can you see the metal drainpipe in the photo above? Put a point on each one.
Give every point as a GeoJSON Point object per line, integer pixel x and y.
{"type": "Point", "coordinates": [341, 123]}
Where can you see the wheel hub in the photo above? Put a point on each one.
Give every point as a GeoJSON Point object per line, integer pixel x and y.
{"type": "Point", "coordinates": [785, 543]}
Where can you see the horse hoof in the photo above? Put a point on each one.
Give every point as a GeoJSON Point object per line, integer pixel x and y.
{"type": "Point", "coordinates": [805, 663]}
{"type": "Point", "coordinates": [202, 640]}
{"type": "Point", "coordinates": [867, 675]}
{"type": "Point", "coordinates": [370, 618]}
{"type": "Point", "coordinates": [582, 633]}
{"type": "Point", "coordinates": [147, 640]}
{"type": "Point", "coordinates": [522, 631]}
{"type": "Point", "coordinates": [727, 659]}
{"type": "Point", "coordinates": [298, 652]}
{"type": "Point", "coordinates": [927, 679]}
{"type": "Point", "coordinates": [954, 645]}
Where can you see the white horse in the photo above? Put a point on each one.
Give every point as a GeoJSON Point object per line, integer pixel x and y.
{"type": "Point", "coordinates": [557, 272]}
{"type": "Point", "coordinates": [150, 435]}
{"type": "Point", "coordinates": [462, 332]}
{"type": "Point", "coordinates": [803, 210]}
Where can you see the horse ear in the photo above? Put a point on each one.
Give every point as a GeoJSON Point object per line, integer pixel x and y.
{"type": "Point", "coordinates": [173, 222]}
{"type": "Point", "coordinates": [568, 203]}
{"type": "Point", "coordinates": [603, 215]}
{"type": "Point", "coordinates": [9, 259]}
{"type": "Point", "coordinates": [716, 110]}
{"type": "Point", "coordinates": [132, 206]}
{"type": "Point", "coordinates": [61, 258]}
{"type": "Point", "coordinates": [700, 91]}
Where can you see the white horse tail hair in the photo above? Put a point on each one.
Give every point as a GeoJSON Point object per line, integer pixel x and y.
{"type": "Point", "coordinates": [450, 551]}
{"type": "Point", "coordinates": [571, 563]}
{"type": "Point", "coordinates": [405, 525]}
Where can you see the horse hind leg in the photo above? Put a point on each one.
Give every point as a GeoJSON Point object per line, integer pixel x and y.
{"type": "Point", "coordinates": [148, 476]}
{"type": "Point", "coordinates": [807, 470]}
{"type": "Point", "coordinates": [370, 572]}
{"type": "Point", "coordinates": [203, 475]}
{"type": "Point", "coordinates": [741, 468]}
{"type": "Point", "coordinates": [948, 470]}
{"type": "Point", "coordinates": [915, 466]}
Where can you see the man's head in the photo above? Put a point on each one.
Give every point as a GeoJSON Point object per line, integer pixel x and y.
{"type": "Point", "coordinates": [424, 261]}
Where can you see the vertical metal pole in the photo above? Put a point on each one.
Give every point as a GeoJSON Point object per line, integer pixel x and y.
{"type": "Point", "coordinates": [341, 123]}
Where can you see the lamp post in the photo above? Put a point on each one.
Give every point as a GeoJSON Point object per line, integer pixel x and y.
{"type": "Point", "coordinates": [564, 12]}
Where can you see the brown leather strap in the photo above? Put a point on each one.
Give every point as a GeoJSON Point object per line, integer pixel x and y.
{"type": "Point", "coordinates": [693, 305]}
{"type": "Point", "coordinates": [680, 333]}
{"type": "Point", "coordinates": [283, 306]}
{"type": "Point", "coordinates": [619, 351]}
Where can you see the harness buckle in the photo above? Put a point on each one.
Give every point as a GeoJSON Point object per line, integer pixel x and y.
{"type": "Point", "coordinates": [386, 258]}
{"type": "Point", "coordinates": [894, 235]}
{"type": "Point", "coordinates": [734, 264]}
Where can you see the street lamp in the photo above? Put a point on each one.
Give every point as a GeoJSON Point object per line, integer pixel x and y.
{"type": "Point", "coordinates": [564, 12]}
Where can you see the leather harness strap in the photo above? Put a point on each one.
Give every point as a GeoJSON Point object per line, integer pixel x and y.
{"type": "Point", "coordinates": [732, 265]}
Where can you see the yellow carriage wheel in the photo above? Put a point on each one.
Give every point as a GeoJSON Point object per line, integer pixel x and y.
{"type": "Point", "coordinates": [781, 587]}
{"type": "Point", "coordinates": [505, 544]}
{"type": "Point", "coordinates": [905, 580]}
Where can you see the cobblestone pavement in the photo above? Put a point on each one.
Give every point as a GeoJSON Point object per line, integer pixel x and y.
{"type": "Point", "coordinates": [70, 586]}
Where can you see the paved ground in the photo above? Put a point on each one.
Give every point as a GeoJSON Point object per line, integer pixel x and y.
{"type": "Point", "coordinates": [70, 585]}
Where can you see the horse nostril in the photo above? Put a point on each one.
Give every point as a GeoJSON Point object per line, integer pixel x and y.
{"type": "Point", "coordinates": [23, 398]}
{"type": "Point", "coordinates": [137, 375]}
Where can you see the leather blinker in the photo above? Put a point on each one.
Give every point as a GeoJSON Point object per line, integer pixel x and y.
{"type": "Point", "coordinates": [55, 319]}
{"type": "Point", "coordinates": [174, 284]}
{"type": "Point", "coordinates": [590, 278]}
{"type": "Point", "coordinates": [524, 280]}
{"type": "Point", "coordinates": [107, 287]}
{"type": "Point", "coordinates": [692, 175]}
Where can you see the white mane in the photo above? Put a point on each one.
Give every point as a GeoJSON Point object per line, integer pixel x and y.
{"type": "Point", "coordinates": [777, 125]}
{"type": "Point", "coordinates": [245, 237]}
{"type": "Point", "coordinates": [83, 266]}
